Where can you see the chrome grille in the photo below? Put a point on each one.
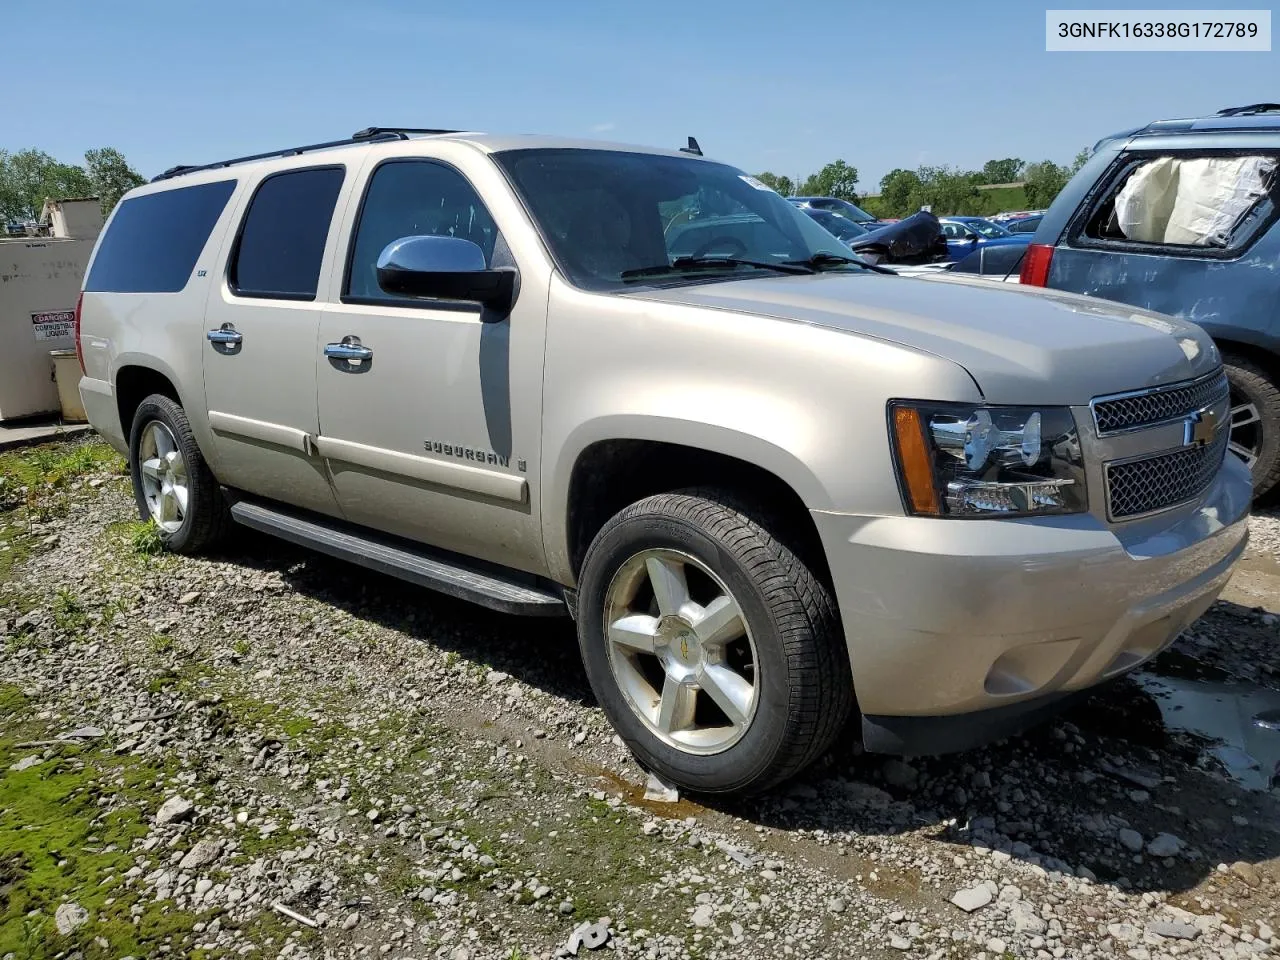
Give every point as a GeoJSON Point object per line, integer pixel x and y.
{"type": "Point", "coordinates": [1143, 486]}
{"type": "Point", "coordinates": [1112, 414]}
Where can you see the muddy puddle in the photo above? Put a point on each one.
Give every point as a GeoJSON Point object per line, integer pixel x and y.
{"type": "Point", "coordinates": [1237, 722]}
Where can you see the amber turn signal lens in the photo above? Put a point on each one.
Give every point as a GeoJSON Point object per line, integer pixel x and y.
{"type": "Point", "coordinates": [913, 457]}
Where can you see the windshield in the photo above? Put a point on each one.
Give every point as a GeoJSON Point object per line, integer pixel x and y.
{"type": "Point", "coordinates": [606, 213]}
{"type": "Point", "coordinates": [987, 229]}
{"type": "Point", "coordinates": [841, 228]}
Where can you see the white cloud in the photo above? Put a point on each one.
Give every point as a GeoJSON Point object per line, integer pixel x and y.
{"type": "Point", "coordinates": [603, 127]}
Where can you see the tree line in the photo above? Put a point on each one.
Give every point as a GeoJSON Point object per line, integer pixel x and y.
{"type": "Point", "coordinates": [945, 190]}
{"type": "Point", "coordinates": [29, 177]}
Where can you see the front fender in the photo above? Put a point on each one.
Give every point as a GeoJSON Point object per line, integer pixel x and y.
{"type": "Point", "coordinates": [783, 463]}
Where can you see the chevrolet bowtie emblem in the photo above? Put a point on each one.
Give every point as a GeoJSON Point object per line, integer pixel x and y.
{"type": "Point", "coordinates": [1199, 428]}
{"type": "Point", "coordinates": [684, 647]}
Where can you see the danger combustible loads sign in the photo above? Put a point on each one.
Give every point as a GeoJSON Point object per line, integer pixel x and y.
{"type": "Point", "coordinates": [53, 324]}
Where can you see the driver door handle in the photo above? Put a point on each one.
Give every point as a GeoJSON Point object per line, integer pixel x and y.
{"type": "Point", "coordinates": [349, 348]}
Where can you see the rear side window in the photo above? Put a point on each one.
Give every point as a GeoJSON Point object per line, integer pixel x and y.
{"type": "Point", "coordinates": [154, 240]}
{"type": "Point", "coordinates": [281, 242]}
{"type": "Point", "coordinates": [1186, 203]}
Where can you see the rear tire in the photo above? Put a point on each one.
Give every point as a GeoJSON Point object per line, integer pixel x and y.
{"type": "Point", "coordinates": [1255, 421]}
{"type": "Point", "coordinates": [172, 483]}
{"type": "Point", "coordinates": [749, 709]}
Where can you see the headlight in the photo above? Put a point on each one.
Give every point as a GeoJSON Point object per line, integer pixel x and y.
{"type": "Point", "coordinates": [965, 460]}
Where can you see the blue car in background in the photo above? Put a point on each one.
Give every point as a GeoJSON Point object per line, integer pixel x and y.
{"type": "Point", "coordinates": [966, 234]}
{"type": "Point", "coordinates": [1183, 217]}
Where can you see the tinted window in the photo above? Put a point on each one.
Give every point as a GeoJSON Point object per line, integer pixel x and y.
{"type": "Point", "coordinates": [282, 240]}
{"type": "Point", "coordinates": [414, 198]}
{"type": "Point", "coordinates": [154, 240]}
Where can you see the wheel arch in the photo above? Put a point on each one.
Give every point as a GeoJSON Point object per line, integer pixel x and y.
{"type": "Point", "coordinates": [608, 472]}
{"type": "Point", "coordinates": [134, 382]}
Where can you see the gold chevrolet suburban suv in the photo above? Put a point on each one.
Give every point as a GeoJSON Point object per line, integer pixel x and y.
{"type": "Point", "coordinates": [777, 488]}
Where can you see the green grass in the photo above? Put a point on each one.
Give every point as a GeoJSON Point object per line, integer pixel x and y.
{"type": "Point", "coordinates": [68, 613]}
{"type": "Point", "coordinates": [144, 537]}
{"type": "Point", "coordinates": [56, 464]}
{"type": "Point", "coordinates": [160, 643]}
{"type": "Point", "coordinates": [34, 482]}
{"type": "Point", "coordinates": [15, 537]}
{"type": "Point", "coordinates": [59, 845]}
{"type": "Point", "coordinates": [1005, 198]}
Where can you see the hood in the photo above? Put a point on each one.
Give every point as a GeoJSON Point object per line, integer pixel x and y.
{"type": "Point", "coordinates": [1021, 345]}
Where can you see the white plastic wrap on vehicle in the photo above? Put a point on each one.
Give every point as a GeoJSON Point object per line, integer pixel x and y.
{"type": "Point", "coordinates": [1145, 202]}
{"type": "Point", "coordinates": [1214, 193]}
{"type": "Point", "coordinates": [1194, 202]}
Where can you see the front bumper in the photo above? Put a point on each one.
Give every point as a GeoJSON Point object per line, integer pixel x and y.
{"type": "Point", "coordinates": [948, 619]}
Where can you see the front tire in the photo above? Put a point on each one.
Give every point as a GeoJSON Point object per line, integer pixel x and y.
{"type": "Point", "coordinates": [172, 483]}
{"type": "Point", "coordinates": [1255, 421]}
{"type": "Point", "coordinates": [714, 650]}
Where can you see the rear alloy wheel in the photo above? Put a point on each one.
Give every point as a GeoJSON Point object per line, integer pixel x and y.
{"type": "Point", "coordinates": [1255, 422]}
{"type": "Point", "coordinates": [714, 650]}
{"type": "Point", "coordinates": [164, 477]}
{"type": "Point", "coordinates": [172, 484]}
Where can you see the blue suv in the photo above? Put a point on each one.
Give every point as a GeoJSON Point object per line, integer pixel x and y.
{"type": "Point", "coordinates": [1183, 217]}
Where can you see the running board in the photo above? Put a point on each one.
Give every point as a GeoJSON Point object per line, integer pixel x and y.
{"type": "Point", "coordinates": [465, 579]}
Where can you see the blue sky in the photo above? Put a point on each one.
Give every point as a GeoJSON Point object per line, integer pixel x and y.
{"type": "Point", "coordinates": [880, 85]}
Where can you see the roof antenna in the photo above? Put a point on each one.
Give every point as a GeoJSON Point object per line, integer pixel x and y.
{"type": "Point", "coordinates": [692, 148]}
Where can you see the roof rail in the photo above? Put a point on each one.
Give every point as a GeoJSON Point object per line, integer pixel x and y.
{"type": "Point", "coordinates": [367, 135]}
{"type": "Point", "coordinates": [1250, 109]}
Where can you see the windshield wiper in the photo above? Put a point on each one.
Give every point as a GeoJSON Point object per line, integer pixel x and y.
{"type": "Point", "coordinates": [824, 258]}
{"type": "Point", "coordinates": [697, 263]}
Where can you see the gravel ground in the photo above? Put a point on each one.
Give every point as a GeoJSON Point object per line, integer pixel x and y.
{"type": "Point", "coordinates": [266, 752]}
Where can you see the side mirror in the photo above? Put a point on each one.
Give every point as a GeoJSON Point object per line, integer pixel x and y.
{"type": "Point", "coordinates": [445, 268]}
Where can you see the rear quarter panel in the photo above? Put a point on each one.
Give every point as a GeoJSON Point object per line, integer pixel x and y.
{"type": "Point", "coordinates": [159, 331]}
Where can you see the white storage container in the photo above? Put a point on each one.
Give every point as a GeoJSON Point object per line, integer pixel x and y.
{"type": "Point", "coordinates": [40, 281]}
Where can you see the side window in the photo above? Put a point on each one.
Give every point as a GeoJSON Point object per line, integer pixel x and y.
{"type": "Point", "coordinates": [154, 240]}
{"type": "Point", "coordinates": [1199, 203]}
{"type": "Point", "coordinates": [281, 243]}
{"type": "Point", "coordinates": [411, 198]}
{"type": "Point", "coordinates": [953, 231]}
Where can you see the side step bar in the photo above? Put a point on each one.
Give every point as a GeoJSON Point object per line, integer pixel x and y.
{"type": "Point", "coordinates": [466, 579]}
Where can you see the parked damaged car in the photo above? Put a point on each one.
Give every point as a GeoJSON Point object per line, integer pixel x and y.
{"type": "Point", "coordinates": [915, 240]}
{"type": "Point", "coordinates": [1183, 217]}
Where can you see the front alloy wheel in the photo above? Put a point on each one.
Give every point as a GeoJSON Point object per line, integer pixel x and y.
{"type": "Point", "coordinates": [1246, 429]}
{"type": "Point", "coordinates": [712, 646]}
{"type": "Point", "coordinates": [680, 651]}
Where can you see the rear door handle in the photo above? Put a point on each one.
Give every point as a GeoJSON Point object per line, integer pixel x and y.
{"type": "Point", "coordinates": [350, 348]}
{"type": "Point", "coordinates": [227, 333]}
